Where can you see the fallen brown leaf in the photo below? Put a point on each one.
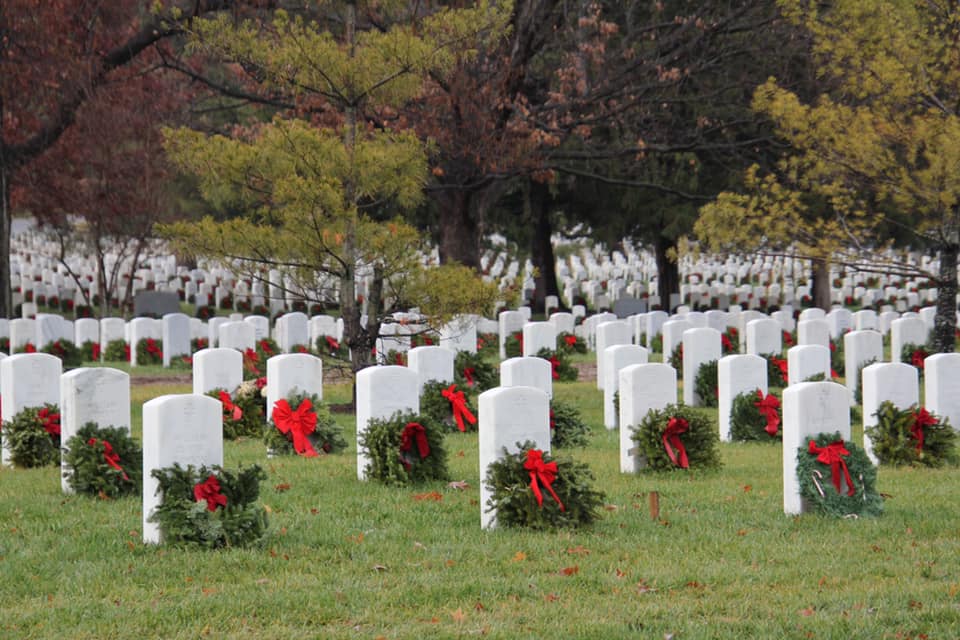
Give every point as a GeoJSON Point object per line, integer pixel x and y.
{"type": "Point", "coordinates": [283, 486]}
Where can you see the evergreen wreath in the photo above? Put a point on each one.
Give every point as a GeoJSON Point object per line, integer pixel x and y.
{"type": "Point", "coordinates": [394, 357]}
{"type": "Point", "coordinates": [838, 364]}
{"type": "Point", "coordinates": [858, 385]}
{"type": "Point", "coordinates": [5, 344]}
{"type": "Point", "coordinates": [748, 422]}
{"type": "Point", "coordinates": [472, 372]}
{"type": "Point", "coordinates": [569, 343]}
{"type": "Point", "coordinates": [404, 449]}
{"type": "Point", "coordinates": [32, 437]}
{"type": "Point", "coordinates": [567, 428]}
{"type": "Point", "coordinates": [116, 351]}
{"type": "Point", "coordinates": [706, 384]}
{"type": "Point", "coordinates": [558, 482]}
{"type": "Point", "coordinates": [732, 343]}
{"type": "Point", "coordinates": [103, 461]}
{"type": "Point", "coordinates": [69, 354]}
{"type": "Point", "coordinates": [328, 346]}
{"type": "Point", "coordinates": [149, 351]}
{"type": "Point", "coordinates": [914, 354]}
{"type": "Point", "coordinates": [438, 407]}
{"type": "Point", "coordinates": [326, 437]}
{"type": "Point", "coordinates": [90, 351]}
{"type": "Point", "coordinates": [210, 507]}
{"type": "Point", "coordinates": [699, 440]}
{"type": "Point", "coordinates": [488, 344]}
{"type": "Point", "coordinates": [560, 367]}
{"type": "Point", "coordinates": [776, 370]}
{"type": "Point", "coordinates": [513, 345]}
{"type": "Point", "coordinates": [243, 413]}
{"type": "Point", "coordinates": [845, 464]}
{"type": "Point", "coordinates": [676, 359]}
{"type": "Point", "coordinates": [912, 436]}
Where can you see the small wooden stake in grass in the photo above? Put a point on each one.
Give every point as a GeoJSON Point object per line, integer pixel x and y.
{"type": "Point", "coordinates": [655, 505]}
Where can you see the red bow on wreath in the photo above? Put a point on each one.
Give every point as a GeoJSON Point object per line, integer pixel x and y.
{"type": "Point", "coordinates": [299, 424]}
{"type": "Point", "coordinates": [555, 367]}
{"type": "Point", "coordinates": [413, 434]}
{"type": "Point", "coordinates": [111, 457]}
{"type": "Point", "coordinates": [671, 436]}
{"type": "Point", "coordinates": [229, 408]}
{"type": "Point", "coordinates": [468, 374]}
{"type": "Point", "coordinates": [458, 404]}
{"type": "Point", "coordinates": [921, 419]}
{"type": "Point", "coordinates": [95, 351]}
{"type": "Point", "coordinates": [50, 421]}
{"type": "Point", "coordinates": [540, 471]}
{"type": "Point", "coordinates": [570, 340]}
{"type": "Point", "coordinates": [768, 408]}
{"type": "Point", "coordinates": [832, 454]}
{"type": "Point", "coordinates": [209, 490]}
{"type": "Point", "coordinates": [782, 366]}
{"type": "Point", "coordinates": [332, 343]}
{"type": "Point", "coordinates": [153, 349]}
{"type": "Point", "coordinates": [917, 358]}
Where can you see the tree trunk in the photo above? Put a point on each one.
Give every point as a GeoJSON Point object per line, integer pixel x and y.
{"type": "Point", "coordinates": [945, 320]}
{"type": "Point", "coordinates": [820, 291]}
{"type": "Point", "coordinates": [541, 248]}
{"type": "Point", "coordinates": [668, 273]}
{"type": "Point", "coordinates": [459, 231]}
{"type": "Point", "coordinates": [6, 297]}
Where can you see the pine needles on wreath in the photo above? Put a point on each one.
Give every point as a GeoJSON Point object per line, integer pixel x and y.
{"type": "Point", "coordinates": [406, 448]}
{"type": "Point", "coordinates": [912, 436]}
{"type": "Point", "coordinates": [448, 406]}
{"type": "Point", "coordinates": [210, 507]}
{"type": "Point", "coordinates": [472, 373]}
{"type": "Point", "coordinates": [303, 426]}
{"type": "Point", "coordinates": [32, 437]}
{"type": "Point", "coordinates": [706, 384]}
{"type": "Point", "coordinates": [837, 478]}
{"type": "Point", "coordinates": [103, 461]}
{"type": "Point", "coordinates": [751, 417]}
{"type": "Point", "coordinates": [532, 489]}
{"type": "Point", "coordinates": [567, 428]}
{"type": "Point", "coordinates": [677, 437]}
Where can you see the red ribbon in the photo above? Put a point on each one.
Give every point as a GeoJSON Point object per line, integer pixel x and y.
{"type": "Point", "coordinates": [768, 408]}
{"type": "Point", "coordinates": [540, 471]}
{"type": "Point", "coordinates": [299, 424]}
{"type": "Point", "coordinates": [209, 490]}
{"type": "Point", "coordinates": [671, 436]}
{"type": "Point", "coordinates": [787, 338]}
{"type": "Point", "coordinates": [917, 358]}
{"type": "Point", "coordinates": [570, 340]}
{"type": "Point", "coordinates": [126, 352]}
{"type": "Point", "coordinates": [112, 458]}
{"type": "Point", "coordinates": [458, 404]}
{"type": "Point", "coordinates": [468, 374]}
{"type": "Point", "coordinates": [832, 454]}
{"type": "Point", "coordinates": [50, 421]}
{"type": "Point", "coordinates": [152, 347]}
{"type": "Point", "coordinates": [921, 419]}
{"type": "Point", "coordinates": [519, 337]}
{"type": "Point", "coordinates": [265, 347]}
{"type": "Point", "coordinates": [95, 351]}
{"type": "Point", "coordinates": [555, 367]}
{"type": "Point", "coordinates": [414, 434]}
{"type": "Point", "coordinates": [29, 348]}
{"type": "Point", "coordinates": [333, 344]}
{"type": "Point", "coordinates": [725, 343]}
{"type": "Point", "coordinates": [553, 420]}
{"type": "Point", "coordinates": [230, 409]}
{"type": "Point", "coordinates": [782, 365]}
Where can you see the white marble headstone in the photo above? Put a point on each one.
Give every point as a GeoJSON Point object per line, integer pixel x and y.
{"type": "Point", "coordinates": [643, 388]}
{"type": "Point", "coordinates": [381, 392]}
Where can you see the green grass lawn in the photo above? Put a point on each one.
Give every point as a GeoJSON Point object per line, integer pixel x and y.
{"type": "Point", "coordinates": [346, 559]}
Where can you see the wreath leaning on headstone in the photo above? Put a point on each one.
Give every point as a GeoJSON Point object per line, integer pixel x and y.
{"type": "Point", "coordinates": [406, 448]}
{"type": "Point", "coordinates": [243, 411]}
{"type": "Point", "coordinates": [567, 428]}
{"type": "Point", "coordinates": [210, 507]}
{"type": "Point", "coordinates": [677, 437]}
{"type": "Point", "coordinates": [560, 368]}
{"type": "Point", "coordinates": [837, 478]}
{"type": "Point", "coordinates": [570, 343]}
{"type": "Point", "coordinates": [532, 489]}
{"type": "Point", "coordinates": [302, 425]}
{"type": "Point", "coordinates": [912, 436]}
{"type": "Point", "coordinates": [471, 371]}
{"type": "Point", "coordinates": [706, 384]}
{"type": "Point", "coordinates": [103, 461]}
{"type": "Point", "coordinates": [755, 416]}
{"type": "Point", "coordinates": [448, 406]}
{"type": "Point", "coordinates": [32, 437]}
{"type": "Point", "coordinates": [149, 351]}
{"type": "Point", "coordinates": [116, 351]}
{"type": "Point", "coordinates": [914, 354]}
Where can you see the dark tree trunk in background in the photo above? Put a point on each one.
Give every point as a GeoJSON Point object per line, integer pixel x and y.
{"type": "Point", "coordinates": [459, 229]}
{"type": "Point", "coordinates": [668, 273]}
{"type": "Point", "coordinates": [945, 320]}
{"type": "Point", "coordinates": [541, 248]}
{"type": "Point", "coordinates": [6, 297]}
{"type": "Point", "coordinates": [820, 291]}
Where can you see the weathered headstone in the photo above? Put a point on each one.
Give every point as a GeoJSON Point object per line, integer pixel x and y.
{"type": "Point", "coordinates": [737, 374]}
{"type": "Point", "coordinates": [177, 429]}
{"type": "Point", "coordinates": [217, 368]}
{"type": "Point", "coordinates": [643, 387]}
{"type": "Point", "coordinates": [809, 408]}
{"type": "Point", "coordinates": [92, 394]}
{"type": "Point", "coordinates": [381, 392]}
{"type": "Point", "coordinates": [508, 416]}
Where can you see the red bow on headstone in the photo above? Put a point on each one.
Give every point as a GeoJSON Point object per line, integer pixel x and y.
{"type": "Point", "coordinates": [832, 454]}
{"type": "Point", "coordinates": [458, 404]}
{"type": "Point", "coordinates": [209, 490]}
{"type": "Point", "coordinates": [671, 436]}
{"type": "Point", "coordinates": [299, 424]}
{"type": "Point", "coordinates": [110, 456]}
{"type": "Point", "coordinates": [540, 471]}
{"type": "Point", "coordinates": [229, 408]}
{"type": "Point", "coordinates": [50, 421]}
{"type": "Point", "coordinates": [921, 419]}
{"type": "Point", "coordinates": [414, 434]}
{"type": "Point", "coordinates": [769, 409]}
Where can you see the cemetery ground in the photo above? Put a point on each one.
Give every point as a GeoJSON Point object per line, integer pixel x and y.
{"type": "Point", "coordinates": [345, 559]}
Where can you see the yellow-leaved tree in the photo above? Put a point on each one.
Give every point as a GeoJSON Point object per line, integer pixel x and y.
{"type": "Point", "coordinates": [321, 188]}
{"type": "Point", "coordinates": [875, 153]}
